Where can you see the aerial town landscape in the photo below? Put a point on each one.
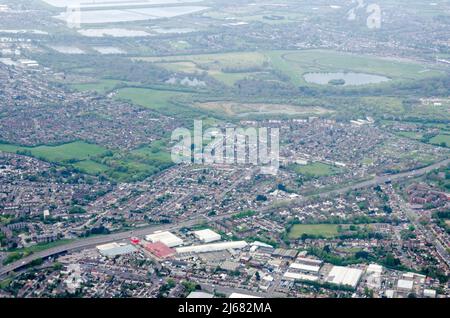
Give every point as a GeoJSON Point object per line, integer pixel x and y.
{"type": "Point", "coordinates": [93, 204]}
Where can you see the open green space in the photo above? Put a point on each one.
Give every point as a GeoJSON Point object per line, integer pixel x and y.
{"type": "Point", "coordinates": [325, 230]}
{"type": "Point", "coordinates": [74, 151]}
{"type": "Point", "coordinates": [224, 67]}
{"type": "Point", "coordinates": [316, 169]}
{"type": "Point", "coordinates": [101, 86]}
{"type": "Point", "coordinates": [90, 167]}
{"type": "Point", "coordinates": [167, 102]}
{"type": "Point", "coordinates": [231, 67]}
{"type": "Point", "coordinates": [155, 152]}
{"type": "Point", "coordinates": [149, 98]}
{"type": "Point", "coordinates": [92, 159]}
{"type": "Point", "coordinates": [297, 63]}
{"type": "Point", "coordinates": [442, 139]}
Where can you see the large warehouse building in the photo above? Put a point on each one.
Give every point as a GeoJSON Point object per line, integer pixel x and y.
{"type": "Point", "coordinates": [207, 236]}
{"type": "Point", "coordinates": [212, 247]}
{"type": "Point", "coordinates": [115, 249]}
{"type": "Point", "coordinates": [348, 276]}
{"type": "Point", "coordinates": [166, 238]}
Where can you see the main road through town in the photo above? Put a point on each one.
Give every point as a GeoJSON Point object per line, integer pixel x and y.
{"type": "Point", "coordinates": [93, 241]}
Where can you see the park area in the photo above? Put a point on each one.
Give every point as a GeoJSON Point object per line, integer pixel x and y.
{"type": "Point", "coordinates": [323, 230]}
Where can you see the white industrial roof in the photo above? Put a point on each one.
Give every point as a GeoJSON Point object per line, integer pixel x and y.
{"type": "Point", "coordinates": [119, 250]}
{"type": "Point", "coordinates": [107, 246]}
{"type": "Point", "coordinates": [166, 238]}
{"type": "Point", "coordinates": [405, 284]}
{"type": "Point", "coordinates": [389, 293]}
{"type": "Point", "coordinates": [308, 260]}
{"type": "Point", "coordinates": [429, 293]}
{"type": "Point", "coordinates": [305, 267]}
{"type": "Point", "coordinates": [299, 276]}
{"type": "Point", "coordinates": [238, 295]}
{"type": "Point", "coordinates": [374, 268]}
{"type": "Point", "coordinates": [261, 244]}
{"type": "Point", "coordinates": [212, 247]}
{"type": "Point", "coordinates": [199, 294]}
{"type": "Point", "coordinates": [207, 235]}
{"type": "Point", "coordinates": [344, 276]}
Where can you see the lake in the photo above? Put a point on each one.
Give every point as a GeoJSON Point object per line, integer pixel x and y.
{"type": "Point", "coordinates": [111, 3]}
{"type": "Point", "coordinates": [128, 15]}
{"type": "Point", "coordinates": [351, 79]}
{"type": "Point", "coordinates": [114, 32]}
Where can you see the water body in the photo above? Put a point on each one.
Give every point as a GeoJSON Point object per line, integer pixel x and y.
{"type": "Point", "coordinates": [67, 49]}
{"type": "Point", "coordinates": [114, 32]}
{"type": "Point", "coordinates": [108, 50]}
{"type": "Point", "coordinates": [351, 79]}
{"type": "Point", "coordinates": [112, 3]}
{"type": "Point", "coordinates": [128, 15]}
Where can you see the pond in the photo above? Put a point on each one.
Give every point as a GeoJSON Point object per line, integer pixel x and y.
{"type": "Point", "coordinates": [344, 79]}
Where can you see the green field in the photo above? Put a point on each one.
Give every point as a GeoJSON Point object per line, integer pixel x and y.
{"type": "Point", "coordinates": [74, 151]}
{"type": "Point", "coordinates": [101, 86]}
{"type": "Point", "coordinates": [92, 159]}
{"type": "Point", "coordinates": [441, 139]}
{"type": "Point", "coordinates": [231, 67]}
{"type": "Point", "coordinates": [149, 98]}
{"type": "Point", "coordinates": [167, 102]}
{"type": "Point", "coordinates": [296, 63]}
{"type": "Point", "coordinates": [153, 154]}
{"type": "Point", "coordinates": [325, 230]}
{"type": "Point", "coordinates": [316, 169]}
{"type": "Point", "coordinates": [215, 65]}
{"type": "Point", "coordinates": [91, 167]}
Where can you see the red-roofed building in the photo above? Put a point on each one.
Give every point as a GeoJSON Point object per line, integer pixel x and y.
{"type": "Point", "coordinates": [135, 241]}
{"type": "Point", "coordinates": [160, 250]}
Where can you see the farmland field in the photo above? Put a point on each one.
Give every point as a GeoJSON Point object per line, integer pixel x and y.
{"type": "Point", "coordinates": [325, 230]}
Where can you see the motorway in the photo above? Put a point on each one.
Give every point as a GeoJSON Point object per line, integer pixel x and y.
{"type": "Point", "coordinates": [91, 242]}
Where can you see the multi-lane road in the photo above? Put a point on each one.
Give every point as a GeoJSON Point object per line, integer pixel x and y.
{"type": "Point", "coordinates": [91, 242]}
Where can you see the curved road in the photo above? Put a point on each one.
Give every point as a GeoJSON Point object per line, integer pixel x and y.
{"type": "Point", "coordinates": [91, 242]}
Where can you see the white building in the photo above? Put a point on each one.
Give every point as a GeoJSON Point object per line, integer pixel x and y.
{"type": "Point", "coordinates": [373, 277]}
{"type": "Point", "coordinates": [211, 247]}
{"type": "Point", "coordinates": [207, 236]}
{"type": "Point", "coordinates": [239, 295]}
{"type": "Point", "coordinates": [374, 269]}
{"type": "Point", "coordinates": [167, 238]}
{"type": "Point", "coordinates": [305, 267]}
{"type": "Point", "coordinates": [299, 276]}
{"type": "Point", "coordinates": [405, 285]}
{"type": "Point", "coordinates": [430, 293]}
{"type": "Point", "coordinates": [348, 276]}
{"type": "Point", "coordinates": [200, 294]}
